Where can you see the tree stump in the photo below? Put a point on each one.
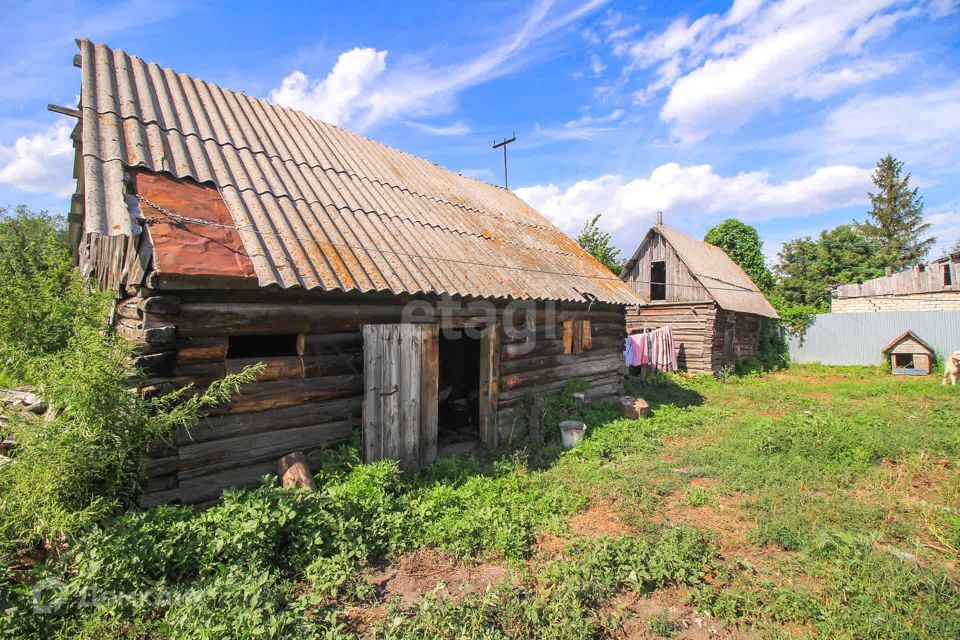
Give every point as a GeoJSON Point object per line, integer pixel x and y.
{"type": "Point", "coordinates": [295, 472]}
{"type": "Point", "coordinates": [634, 408]}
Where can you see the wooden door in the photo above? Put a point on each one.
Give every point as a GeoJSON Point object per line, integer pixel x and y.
{"type": "Point", "coordinates": [400, 375]}
{"type": "Point", "coordinates": [730, 342]}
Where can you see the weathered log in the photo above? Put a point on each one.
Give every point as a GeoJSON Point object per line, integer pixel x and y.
{"type": "Point", "coordinates": [244, 424]}
{"type": "Point", "coordinates": [283, 393]}
{"type": "Point", "coordinates": [294, 471]}
{"type": "Point", "coordinates": [551, 360]}
{"type": "Point", "coordinates": [203, 372]}
{"type": "Point", "coordinates": [163, 305]}
{"type": "Point", "coordinates": [564, 371]}
{"type": "Point", "coordinates": [515, 396]}
{"type": "Point", "coordinates": [203, 458]}
{"type": "Point", "coordinates": [202, 349]}
{"type": "Point", "coordinates": [278, 368]}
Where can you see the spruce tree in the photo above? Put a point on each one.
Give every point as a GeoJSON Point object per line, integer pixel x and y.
{"type": "Point", "coordinates": [895, 223]}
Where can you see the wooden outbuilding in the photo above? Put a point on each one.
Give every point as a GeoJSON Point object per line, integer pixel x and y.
{"type": "Point", "coordinates": [715, 311]}
{"type": "Point", "coordinates": [382, 291]}
{"type": "Point", "coordinates": [909, 355]}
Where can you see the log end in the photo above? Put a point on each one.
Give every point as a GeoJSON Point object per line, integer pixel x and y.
{"type": "Point", "coordinates": [295, 472]}
{"type": "Point", "coordinates": [634, 408]}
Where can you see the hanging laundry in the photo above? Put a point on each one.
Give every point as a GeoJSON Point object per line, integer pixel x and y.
{"type": "Point", "coordinates": [654, 348]}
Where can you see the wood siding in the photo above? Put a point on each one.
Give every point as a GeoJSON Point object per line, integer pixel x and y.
{"type": "Point", "coordinates": [698, 332]}
{"type": "Point", "coordinates": [314, 397]}
{"type": "Point", "coordinates": [682, 286]}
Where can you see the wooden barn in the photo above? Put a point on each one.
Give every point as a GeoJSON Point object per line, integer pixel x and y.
{"type": "Point", "coordinates": [379, 289]}
{"type": "Point", "coordinates": [715, 311]}
{"type": "Point", "coordinates": [909, 355]}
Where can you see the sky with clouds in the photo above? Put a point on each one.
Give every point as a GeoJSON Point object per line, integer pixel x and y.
{"type": "Point", "coordinates": [773, 112]}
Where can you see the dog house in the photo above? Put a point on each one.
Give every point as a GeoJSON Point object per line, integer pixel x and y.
{"type": "Point", "coordinates": [909, 355]}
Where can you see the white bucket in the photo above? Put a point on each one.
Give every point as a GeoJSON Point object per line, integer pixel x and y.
{"type": "Point", "coordinates": [571, 433]}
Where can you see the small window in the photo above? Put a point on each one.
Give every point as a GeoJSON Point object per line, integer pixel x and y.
{"type": "Point", "coordinates": [265, 346]}
{"type": "Point", "coordinates": [658, 281]}
{"type": "Point", "coordinates": [947, 276]}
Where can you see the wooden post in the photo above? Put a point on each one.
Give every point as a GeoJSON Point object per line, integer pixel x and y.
{"type": "Point", "coordinates": [536, 417]}
{"type": "Point", "coordinates": [295, 472]}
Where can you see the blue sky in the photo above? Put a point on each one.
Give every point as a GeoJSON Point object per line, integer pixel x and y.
{"type": "Point", "coordinates": [771, 112]}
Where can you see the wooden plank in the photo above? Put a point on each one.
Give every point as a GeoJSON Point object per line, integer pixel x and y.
{"type": "Point", "coordinates": [489, 384]}
{"type": "Point", "coordinates": [429, 391]}
{"type": "Point", "coordinates": [568, 336]}
{"type": "Point", "coordinates": [372, 385]}
{"type": "Point", "coordinates": [409, 370]}
{"type": "Point", "coordinates": [587, 335]}
{"type": "Point", "coordinates": [390, 391]}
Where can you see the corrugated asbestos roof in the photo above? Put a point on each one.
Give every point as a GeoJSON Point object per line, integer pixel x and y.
{"type": "Point", "coordinates": [727, 283]}
{"type": "Point", "coordinates": [317, 206]}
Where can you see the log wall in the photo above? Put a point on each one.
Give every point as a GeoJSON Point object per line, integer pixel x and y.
{"type": "Point", "coordinates": [698, 332]}
{"type": "Point", "coordinates": [313, 398]}
{"type": "Point", "coordinates": [693, 328]}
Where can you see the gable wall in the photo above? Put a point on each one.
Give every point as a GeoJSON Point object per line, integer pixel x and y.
{"type": "Point", "coordinates": [682, 286]}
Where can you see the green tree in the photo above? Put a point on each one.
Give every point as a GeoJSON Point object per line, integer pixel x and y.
{"type": "Point", "coordinates": [742, 243]}
{"type": "Point", "coordinates": [895, 223]}
{"type": "Point", "coordinates": [42, 295]}
{"type": "Point", "coordinates": [598, 244]}
{"type": "Point", "coordinates": [809, 266]}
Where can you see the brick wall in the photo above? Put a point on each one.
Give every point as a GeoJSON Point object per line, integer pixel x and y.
{"type": "Point", "coordinates": [947, 301]}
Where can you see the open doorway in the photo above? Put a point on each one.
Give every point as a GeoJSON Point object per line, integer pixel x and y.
{"type": "Point", "coordinates": [458, 407]}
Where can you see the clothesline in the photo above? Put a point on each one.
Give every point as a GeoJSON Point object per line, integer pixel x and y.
{"type": "Point", "coordinates": [654, 348]}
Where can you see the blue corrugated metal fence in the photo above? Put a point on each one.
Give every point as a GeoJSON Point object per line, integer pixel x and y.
{"type": "Point", "coordinates": [859, 338]}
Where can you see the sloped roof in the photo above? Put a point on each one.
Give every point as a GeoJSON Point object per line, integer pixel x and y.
{"type": "Point", "coordinates": [908, 334]}
{"type": "Point", "coordinates": [729, 285]}
{"type": "Point", "coordinates": [316, 206]}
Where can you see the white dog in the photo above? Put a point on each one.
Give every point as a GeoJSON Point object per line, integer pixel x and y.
{"type": "Point", "coordinates": [951, 368]}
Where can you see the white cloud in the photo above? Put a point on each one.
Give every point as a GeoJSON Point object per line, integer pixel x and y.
{"type": "Point", "coordinates": [586, 127]}
{"type": "Point", "coordinates": [362, 90]}
{"type": "Point", "coordinates": [688, 194]}
{"type": "Point", "coordinates": [458, 128]}
{"type": "Point", "coordinates": [723, 69]}
{"type": "Point", "coordinates": [333, 99]}
{"type": "Point", "coordinates": [906, 120]}
{"type": "Point", "coordinates": [42, 162]}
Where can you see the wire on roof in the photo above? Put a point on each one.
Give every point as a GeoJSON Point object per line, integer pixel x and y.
{"type": "Point", "coordinates": [180, 219]}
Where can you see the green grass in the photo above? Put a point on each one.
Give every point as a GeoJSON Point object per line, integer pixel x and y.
{"type": "Point", "coordinates": [827, 506]}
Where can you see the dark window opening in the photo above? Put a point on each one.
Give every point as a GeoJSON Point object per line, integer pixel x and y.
{"type": "Point", "coordinates": [947, 276]}
{"type": "Point", "coordinates": [658, 281]}
{"type": "Point", "coordinates": [458, 415]}
{"type": "Point", "coordinates": [903, 361]}
{"type": "Point", "coordinates": [267, 346]}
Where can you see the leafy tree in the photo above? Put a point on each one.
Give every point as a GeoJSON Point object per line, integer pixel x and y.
{"type": "Point", "coordinates": [598, 244]}
{"type": "Point", "coordinates": [81, 460]}
{"type": "Point", "coordinates": [42, 296]}
{"type": "Point", "coordinates": [896, 220]}
{"type": "Point", "coordinates": [742, 243]}
{"type": "Point", "coordinates": [809, 266]}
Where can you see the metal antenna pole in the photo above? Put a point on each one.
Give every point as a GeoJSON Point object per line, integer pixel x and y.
{"type": "Point", "coordinates": [503, 143]}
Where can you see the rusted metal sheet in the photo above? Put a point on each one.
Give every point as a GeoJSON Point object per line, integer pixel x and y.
{"type": "Point", "coordinates": [317, 206]}
{"type": "Point", "coordinates": [186, 248]}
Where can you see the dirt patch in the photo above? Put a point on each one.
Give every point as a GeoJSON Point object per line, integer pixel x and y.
{"type": "Point", "coordinates": [638, 610]}
{"type": "Point", "coordinates": [424, 570]}
{"type": "Point", "coordinates": [362, 620]}
{"type": "Point", "coordinates": [600, 518]}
